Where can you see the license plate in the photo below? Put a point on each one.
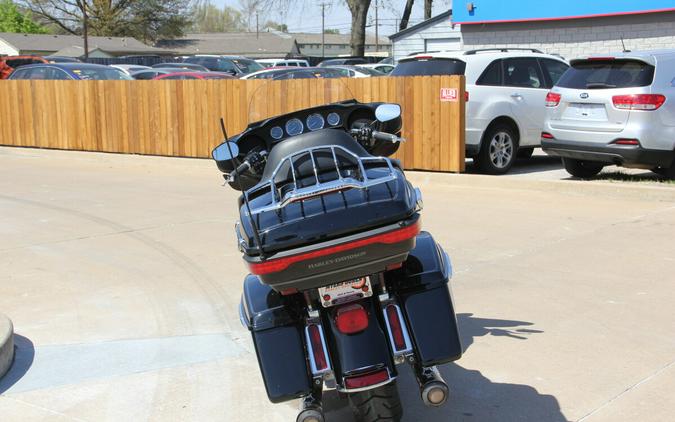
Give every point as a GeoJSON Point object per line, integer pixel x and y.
{"type": "Point", "coordinates": [585, 111]}
{"type": "Point", "coordinates": [345, 291]}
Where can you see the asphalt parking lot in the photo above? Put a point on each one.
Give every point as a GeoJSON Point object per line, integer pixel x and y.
{"type": "Point", "coordinates": [121, 276]}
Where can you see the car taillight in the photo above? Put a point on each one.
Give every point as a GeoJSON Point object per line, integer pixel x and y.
{"type": "Point", "coordinates": [351, 319]}
{"type": "Point", "coordinates": [396, 328]}
{"type": "Point", "coordinates": [645, 102]}
{"type": "Point", "coordinates": [367, 380]}
{"type": "Point", "coordinates": [276, 265]}
{"type": "Point", "coordinates": [552, 99]}
{"type": "Point", "coordinates": [318, 353]}
{"type": "Point", "coordinates": [466, 96]}
{"type": "Point", "coordinates": [546, 135]}
{"type": "Point", "coordinates": [633, 142]}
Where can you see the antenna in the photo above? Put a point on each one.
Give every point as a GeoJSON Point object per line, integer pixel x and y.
{"type": "Point", "coordinates": [256, 235]}
{"type": "Point", "coordinates": [624, 45]}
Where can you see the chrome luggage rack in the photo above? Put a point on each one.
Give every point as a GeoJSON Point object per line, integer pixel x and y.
{"type": "Point", "coordinates": [340, 183]}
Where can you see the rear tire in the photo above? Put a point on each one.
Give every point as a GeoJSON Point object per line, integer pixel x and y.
{"type": "Point", "coordinates": [582, 169]}
{"type": "Point", "coordinates": [381, 404]}
{"type": "Point", "coordinates": [498, 149]}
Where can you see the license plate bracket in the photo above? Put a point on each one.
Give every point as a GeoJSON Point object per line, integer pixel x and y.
{"type": "Point", "coordinates": [345, 291]}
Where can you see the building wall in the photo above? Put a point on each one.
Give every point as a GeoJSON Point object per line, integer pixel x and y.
{"type": "Point", "coordinates": [6, 49]}
{"type": "Point", "coordinates": [334, 50]}
{"type": "Point", "coordinates": [576, 37]}
{"type": "Point", "coordinates": [416, 41]}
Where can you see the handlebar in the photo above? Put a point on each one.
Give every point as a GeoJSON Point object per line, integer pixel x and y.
{"type": "Point", "coordinates": [366, 134]}
{"type": "Point", "coordinates": [254, 160]}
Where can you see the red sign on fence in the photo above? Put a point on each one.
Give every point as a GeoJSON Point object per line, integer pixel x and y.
{"type": "Point", "coordinates": [448, 94]}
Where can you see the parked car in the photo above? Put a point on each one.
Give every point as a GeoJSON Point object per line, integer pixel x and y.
{"type": "Point", "coordinates": [129, 68]}
{"type": "Point", "coordinates": [146, 75]}
{"type": "Point", "coordinates": [345, 61]}
{"type": "Point", "coordinates": [507, 88]}
{"type": "Point", "coordinates": [185, 66]}
{"type": "Point", "coordinates": [283, 63]}
{"type": "Point", "coordinates": [62, 59]}
{"type": "Point", "coordinates": [387, 60]}
{"type": "Point", "coordinates": [382, 68]}
{"type": "Point", "coordinates": [69, 71]}
{"type": "Point", "coordinates": [355, 71]}
{"type": "Point", "coordinates": [234, 65]}
{"type": "Point", "coordinates": [195, 75]}
{"type": "Point", "coordinates": [9, 63]}
{"type": "Point", "coordinates": [294, 73]}
{"type": "Point", "coordinates": [617, 109]}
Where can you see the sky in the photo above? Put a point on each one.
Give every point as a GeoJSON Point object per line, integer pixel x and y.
{"type": "Point", "coordinates": [306, 16]}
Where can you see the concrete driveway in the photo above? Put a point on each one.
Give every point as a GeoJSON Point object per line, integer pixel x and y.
{"type": "Point", "coordinates": [121, 276]}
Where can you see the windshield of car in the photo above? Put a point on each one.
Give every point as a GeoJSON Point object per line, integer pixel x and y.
{"type": "Point", "coordinates": [370, 71]}
{"type": "Point", "coordinates": [100, 74]}
{"type": "Point", "coordinates": [247, 66]}
{"type": "Point", "coordinates": [607, 74]}
{"type": "Point", "coordinates": [429, 67]}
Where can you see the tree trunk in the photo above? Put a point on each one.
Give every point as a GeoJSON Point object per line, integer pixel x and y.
{"type": "Point", "coordinates": [406, 14]}
{"type": "Point", "coordinates": [359, 9]}
{"type": "Point", "coordinates": [427, 8]}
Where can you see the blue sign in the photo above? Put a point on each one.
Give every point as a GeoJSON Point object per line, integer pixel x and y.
{"type": "Point", "coordinates": [494, 11]}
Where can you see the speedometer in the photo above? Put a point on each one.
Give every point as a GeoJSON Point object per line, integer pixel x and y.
{"type": "Point", "coordinates": [315, 121]}
{"type": "Point", "coordinates": [333, 119]}
{"type": "Point", "coordinates": [294, 127]}
{"type": "Point", "coordinates": [276, 132]}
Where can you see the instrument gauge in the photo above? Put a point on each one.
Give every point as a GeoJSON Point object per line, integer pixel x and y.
{"type": "Point", "coordinates": [276, 132]}
{"type": "Point", "coordinates": [315, 122]}
{"type": "Point", "coordinates": [294, 127]}
{"type": "Point", "coordinates": [333, 119]}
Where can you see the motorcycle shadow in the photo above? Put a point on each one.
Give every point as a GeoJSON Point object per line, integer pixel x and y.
{"type": "Point", "coordinates": [473, 397]}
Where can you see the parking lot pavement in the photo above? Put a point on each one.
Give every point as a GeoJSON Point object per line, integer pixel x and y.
{"type": "Point", "coordinates": [121, 276]}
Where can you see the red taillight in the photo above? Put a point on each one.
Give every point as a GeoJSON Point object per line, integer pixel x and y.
{"type": "Point", "coordinates": [367, 380]}
{"type": "Point", "coordinates": [424, 57]}
{"type": "Point", "coordinates": [645, 102]}
{"type": "Point", "coordinates": [351, 319]}
{"type": "Point", "coordinates": [626, 142]}
{"type": "Point", "coordinates": [317, 347]}
{"type": "Point", "coordinates": [396, 328]}
{"type": "Point", "coordinates": [466, 96]}
{"type": "Point", "coordinates": [552, 99]}
{"type": "Point", "coordinates": [276, 265]}
{"type": "Point", "coordinates": [546, 135]}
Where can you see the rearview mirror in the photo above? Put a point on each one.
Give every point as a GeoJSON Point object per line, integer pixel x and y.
{"type": "Point", "coordinates": [225, 151]}
{"type": "Point", "coordinates": [387, 112]}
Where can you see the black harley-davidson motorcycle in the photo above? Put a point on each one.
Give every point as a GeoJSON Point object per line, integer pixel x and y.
{"type": "Point", "coordinates": [343, 284]}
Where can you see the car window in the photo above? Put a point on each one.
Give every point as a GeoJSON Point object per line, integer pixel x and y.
{"type": "Point", "coordinates": [607, 74]}
{"type": "Point", "coordinates": [247, 66]}
{"type": "Point", "coordinates": [522, 72]}
{"type": "Point", "coordinates": [144, 76]}
{"type": "Point", "coordinates": [554, 70]}
{"type": "Point", "coordinates": [429, 67]}
{"type": "Point", "coordinates": [492, 75]}
{"type": "Point", "coordinates": [100, 74]}
{"type": "Point", "coordinates": [21, 62]}
{"type": "Point", "coordinates": [20, 74]}
{"type": "Point", "coordinates": [57, 74]}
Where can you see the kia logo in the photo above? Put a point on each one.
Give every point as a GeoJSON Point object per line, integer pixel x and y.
{"type": "Point", "coordinates": [583, 95]}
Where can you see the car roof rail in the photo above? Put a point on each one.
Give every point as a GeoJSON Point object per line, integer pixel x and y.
{"type": "Point", "coordinates": [502, 49]}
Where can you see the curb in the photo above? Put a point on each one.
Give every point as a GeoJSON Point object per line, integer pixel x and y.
{"type": "Point", "coordinates": [621, 190]}
{"type": "Point", "coordinates": [6, 344]}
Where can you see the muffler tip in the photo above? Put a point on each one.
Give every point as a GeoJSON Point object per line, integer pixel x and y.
{"type": "Point", "coordinates": [310, 415]}
{"type": "Point", "coordinates": [435, 394]}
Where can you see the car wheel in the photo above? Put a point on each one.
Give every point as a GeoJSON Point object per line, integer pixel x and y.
{"type": "Point", "coordinates": [582, 169]}
{"type": "Point", "coordinates": [525, 153]}
{"type": "Point", "coordinates": [498, 150]}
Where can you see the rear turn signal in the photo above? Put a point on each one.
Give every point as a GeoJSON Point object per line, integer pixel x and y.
{"type": "Point", "coordinates": [644, 102]}
{"type": "Point", "coordinates": [546, 135]}
{"type": "Point", "coordinates": [367, 380]}
{"type": "Point", "coordinates": [396, 328]}
{"type": "Point", "coordinates": [318, 353]}
{"type": "Point", "coordinates": [351, 319]}
{"type": "Point", "coordinates": [552, 99]}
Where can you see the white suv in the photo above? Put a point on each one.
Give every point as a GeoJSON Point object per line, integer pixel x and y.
{"type": "Point", "coordinates": [507, 90]}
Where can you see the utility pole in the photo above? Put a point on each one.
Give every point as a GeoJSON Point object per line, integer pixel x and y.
{"type": "Point", "coordinates": [323, 29]}
{"type": "Point", "coordinates": [377, 29]}
{"type": "Point", "coordinates": [257, 28]}
{"type": "Point", "coordinates": [85, 29]}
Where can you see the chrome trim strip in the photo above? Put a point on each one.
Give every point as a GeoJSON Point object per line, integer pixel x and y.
{"type": "Point", "coordinates": [241, 243]}
{"type": "Point", "coordinates": [319, 188]}
{"type": "Point", "coordinates": [406, 337]}
{"type": "Point", "coordinates": [370, 387]}
{"type": "Point", "coordinates": [310, 351]}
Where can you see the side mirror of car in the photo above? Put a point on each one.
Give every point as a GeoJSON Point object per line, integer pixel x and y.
{"type": "Point", "coordinates": [387, 112]}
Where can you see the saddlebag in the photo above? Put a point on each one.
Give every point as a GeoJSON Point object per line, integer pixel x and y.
{"type": "Point", "coordinates": [422, 289]}
{"type": "Point", "coordinates": [278, 340]}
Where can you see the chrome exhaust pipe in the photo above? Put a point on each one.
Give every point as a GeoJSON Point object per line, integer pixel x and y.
{"type": "Point", "coordinates": [310, 410]}
{"type": "Point", "coordinates": [433, 389]}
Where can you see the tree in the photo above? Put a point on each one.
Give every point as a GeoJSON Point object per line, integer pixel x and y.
{"type": "Point", "coordinates": [281, 27]}
{"type": "Point", "coordinates": [427, 8]}
{"type": "Point", "coordinates": [359, 10]}
{"type": "Point", "coordinates": [250, 8]}
{"type": "Point", "coordinates": [331, 31]}
{"type": "Point", "coordinates": [146, 19]}
{"type": "Point", "coordinates": [12, 20]}
{"type": "Point", "coordinates": [207, 17]}
{"type": "Point", "coordinates": [406, 14]}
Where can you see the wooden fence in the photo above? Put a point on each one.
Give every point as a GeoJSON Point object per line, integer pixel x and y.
{"type": "Point", "coordinates": [181, 118]}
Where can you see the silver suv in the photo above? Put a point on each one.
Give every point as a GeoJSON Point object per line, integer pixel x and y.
{"type": "Point", "coordinates": [616, 109]}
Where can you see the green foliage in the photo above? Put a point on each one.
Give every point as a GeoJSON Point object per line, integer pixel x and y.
{"type": "Point", "coordinates": [281, 27]}
{"type": "Point", "coordinates": [331, 31]}
{"type": "Point", "coordinates": [207, 17]}
{"type": "Point", "coordinates": [12, 20]}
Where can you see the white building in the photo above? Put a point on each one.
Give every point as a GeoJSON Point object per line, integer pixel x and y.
{"type": "Point", "coordinates": [435, 34]}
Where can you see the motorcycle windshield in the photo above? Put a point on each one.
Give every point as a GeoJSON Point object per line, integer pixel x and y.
{"type": "Point", "coordinates": [293, 91]}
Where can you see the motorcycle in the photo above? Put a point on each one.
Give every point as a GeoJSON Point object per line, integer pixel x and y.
{"type": "Point", "coordinates": [343, 285]}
